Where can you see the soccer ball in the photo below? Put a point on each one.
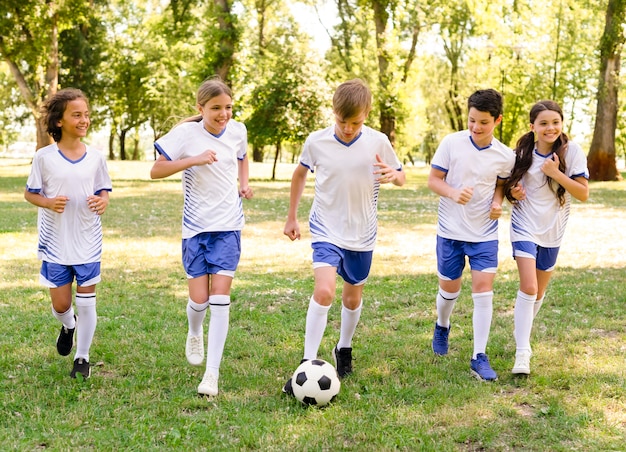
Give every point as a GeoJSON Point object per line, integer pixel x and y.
{"type": "Point", "coordinates": [315, 382]}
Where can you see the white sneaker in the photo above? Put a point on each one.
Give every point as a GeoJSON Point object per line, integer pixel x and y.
{"type": "Point", "coordinates": [208, 385]}
{"type": "Point", "coordinates": [522, 362]}
{"type": "Point", "coordinates": [194, 350]}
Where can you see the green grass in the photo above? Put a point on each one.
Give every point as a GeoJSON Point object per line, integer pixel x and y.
{"type": "Point", "coordinates": [142, 394]}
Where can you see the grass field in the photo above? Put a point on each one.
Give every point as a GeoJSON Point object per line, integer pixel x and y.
{"type": "Point", "coordinates": [142, 393]}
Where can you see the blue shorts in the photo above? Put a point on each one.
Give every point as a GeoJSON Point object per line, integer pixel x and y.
{"type": "Point", "coordinates": [545, 257]}
{"type": "Point", "coordinates": [57, 275]}
{"type": "Point", "coordinates": [483, 257]}
{"type": "Point", "coordinates": [212, 253]}
{"type": "Point", "coordinates": [352, 266]}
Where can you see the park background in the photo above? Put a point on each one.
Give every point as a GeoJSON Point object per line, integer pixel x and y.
{"type": "Point", "coordinates": [140, 63]}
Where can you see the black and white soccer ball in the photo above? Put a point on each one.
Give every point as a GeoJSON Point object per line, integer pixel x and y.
{"type": "Point", "coordinates": [315, 382]}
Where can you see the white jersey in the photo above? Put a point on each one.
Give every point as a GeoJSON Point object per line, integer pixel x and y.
{"type": "Point", "coordinates": [73, 237]}
{"type": "Point", "coordinates": [466, 165]}
{"type": "Point", "coordinates": [539, 218]}
{"type": "Point", "coordinates": [344, 210]}
{"type": "Point", "coordinates": [211, 194]}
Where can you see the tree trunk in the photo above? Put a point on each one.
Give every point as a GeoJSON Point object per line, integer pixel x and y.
{"type": "Point", "coordinates": [111, 144]}
{"type": "Point", "coordinates": [386, 99]}
{"type": "Point", "coordinates": [228, 33]}
{"type": "Point", "coordinates": [276, 157]}
{"type": "Point", "coordinates": [123, 144]}
{"type": "Point", "coordinates": [257, 153]}
{"type": "Point", "coordinates": [601, 159]}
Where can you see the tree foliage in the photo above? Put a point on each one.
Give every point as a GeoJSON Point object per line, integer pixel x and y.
{"type": "Point", "coordinates": [140, 63]}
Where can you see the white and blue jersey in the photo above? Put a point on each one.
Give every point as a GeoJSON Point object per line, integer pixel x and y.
{"type": "Point", "coordinates": [540, 218]}
{"type": "Point", "coordinates": [73, 237]}
{"type": "Point", "coordinates": [344, 210]}
{"type": "Point", "coordinates": [467, 165]}
{"type": "Point", "coordinates": [211, 195]}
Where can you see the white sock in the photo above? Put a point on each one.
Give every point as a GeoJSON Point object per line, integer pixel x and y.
{"type": "Point", "coordinates": [316, 319]}
{"type": "Point", "coordinates": [537, 306]}
{"type": "Point", "coordinates": [66, 318]}
{"type": "Point", "coordinates": [523, 320]}
{"type": "Point", "coordinates": [87, 319]}
{"type": "Point", "coordinates": [218, 330]}
{"type": "Point", "coordinates": [445, 305]}
{"type": "Point", "coordinates": [196, 313]}
{"type": "Point", "coordinates": [349, 321]}
{"type": "Point", "coordinates": [483, 311]}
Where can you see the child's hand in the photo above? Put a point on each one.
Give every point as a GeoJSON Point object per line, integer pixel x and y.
{"type": "Point", "coordinates": [496, 211]}
{"type": "Point", "coordinates": [58, 204]}
{"type": "Point", "coordinates": [551, 166]}
{"type": "Point", "coordinates": [462, 196]}
{"type": "Point", "coordinates": [97, 204]}
{"type": "Point", "coordinates": [245, 192]}
{"type": "Point", "coordinates": [208, 157]}
{"type": "Point", "coordinates": [518, 192]}
{"type": "Point", "coordinates": [292, 230]}
{"type": "Point", "coordinates": [387, 173]}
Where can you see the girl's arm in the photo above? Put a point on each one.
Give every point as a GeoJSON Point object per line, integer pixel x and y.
{"type": "Point", "coordinates": [577, 187]}
{"type": "Point", "coordinates": [163, 167]}
{"type": "Point", "coordinates": [244, 172]}
{"type": "Point", "coordinates": [57, 204]}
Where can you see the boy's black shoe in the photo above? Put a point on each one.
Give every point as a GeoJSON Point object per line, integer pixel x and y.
{"type": "Point", "coordinates": [81, 366]}
{"type": "Point", "coordinates": [65, 341]}
{"type": "Point", "coordinates": [343, 361]}
{"type": "Point", "coordinates": [288, 389]}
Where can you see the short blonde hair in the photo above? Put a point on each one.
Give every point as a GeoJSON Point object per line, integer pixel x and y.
{"type": "Point", "coordinates": [351, 98]}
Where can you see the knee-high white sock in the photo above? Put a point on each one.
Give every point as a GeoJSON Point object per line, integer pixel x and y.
{"type": "Point", "coordinates": [445, 305]}
{"type": "Point", "coordinates": [66, 318]}
{"type": "Point", "coordinates": [483, 311]}
{"type": "Point", "coordinates": [523, 320]}
{"type": "Point", "coordinates": [87, 320]}
{"type": "Point", "coordinates": [218, 330]}
{"type": "Point", "coordinates": [316, 319]}
{"type": "Point", "coordinates": [349, 321]}
{"type": "Point", "coordinates": [196, 313]}
{"type": "Point", "coordinates": [537, 306]}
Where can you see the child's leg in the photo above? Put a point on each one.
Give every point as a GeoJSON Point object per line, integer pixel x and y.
{"type": "Point", "coordinates": [317, 313]}
{"type": "Point", "coordinates": [523, 320]}
{"type": "Point", "coordinates": [350, 313]}
{"type": "Point", "coordinates": [87, 318]}
{"type": "Point", "coordinates": [62, 309]}
{"type": "Point", "coordinates": [218, 331]}
{"type": "Point", "coordinates": [481, 320]}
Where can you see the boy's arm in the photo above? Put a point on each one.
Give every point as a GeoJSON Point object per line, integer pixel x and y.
{"type": "Point", "coordinates": [389, 174]}
{"type": "Point", "coordinates": [98, 203]}
{"type": "Point", "coordinates": [496, 203]}
{"type": "Point", "coordinates": [298, 181]}
{"type": "Point", "coordinates": [57, 204]}
{"type": "Point", "coordinates": [437, 183]}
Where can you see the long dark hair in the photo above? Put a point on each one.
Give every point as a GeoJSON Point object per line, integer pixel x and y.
{"type": "Point", "coordinates": [54, 108]}
{"type": "Point", "coordinates": [526, 146]}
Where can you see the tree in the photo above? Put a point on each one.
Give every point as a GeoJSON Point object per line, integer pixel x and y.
{"type": "Point", "coordinates": [601, 159]}
{"type": "Point", "coordinates": [29, 44]}
{"type": "Point", "coordinates": [396, 26]}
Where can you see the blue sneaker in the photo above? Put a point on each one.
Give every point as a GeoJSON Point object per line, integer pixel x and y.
{"type": "Point", "coordinates": [481, 368]}
{"type": "Point", "coordinates": [440, 340]}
